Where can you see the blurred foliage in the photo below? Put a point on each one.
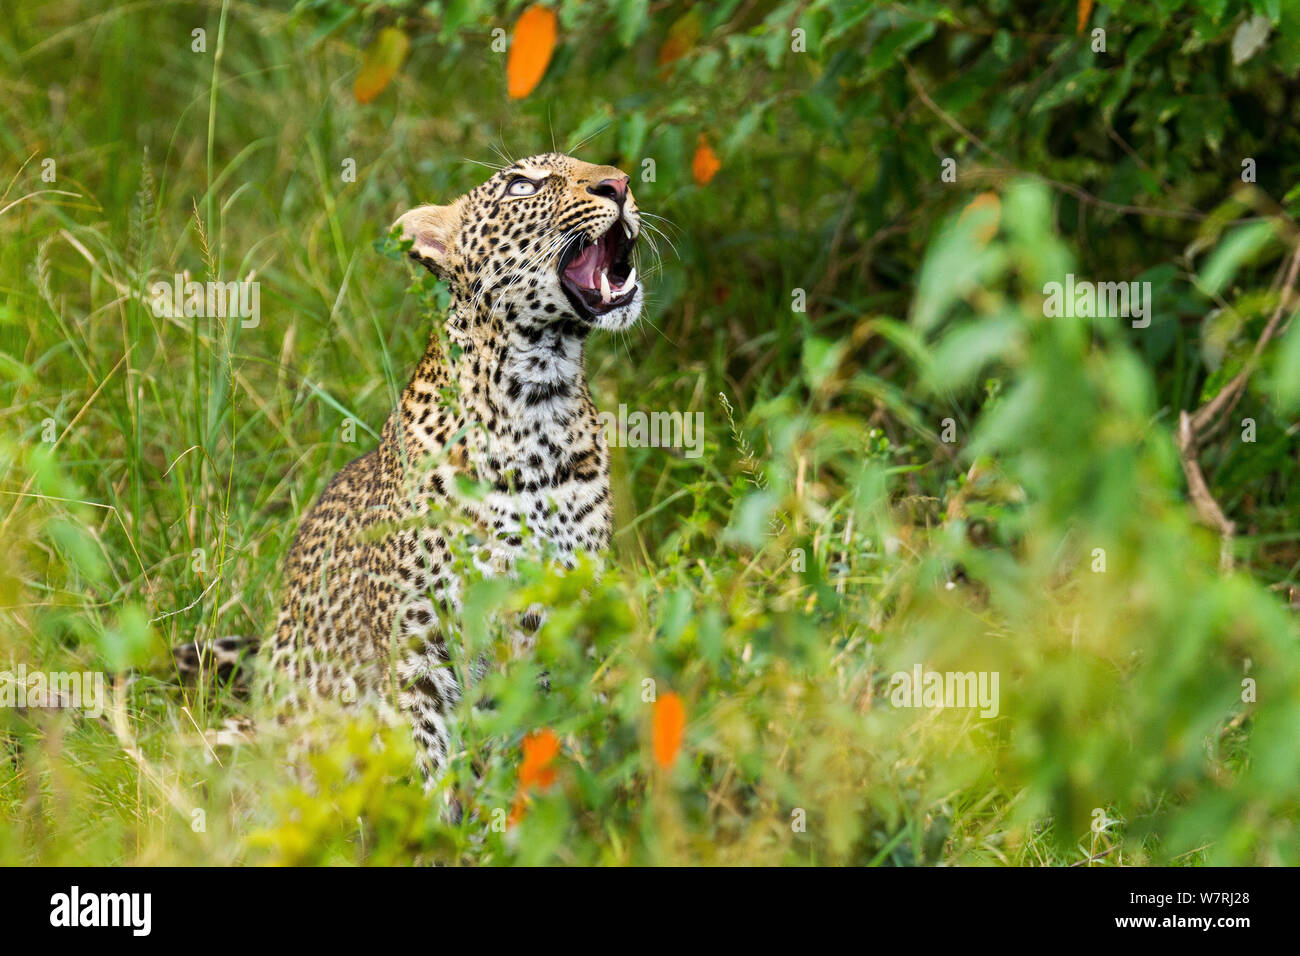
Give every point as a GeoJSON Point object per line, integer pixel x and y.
{"type": "Point", "coordinates": [907, 462]}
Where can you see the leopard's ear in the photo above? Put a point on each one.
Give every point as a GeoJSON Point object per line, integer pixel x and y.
{"type": "Point", "coordinates": [434, 231]}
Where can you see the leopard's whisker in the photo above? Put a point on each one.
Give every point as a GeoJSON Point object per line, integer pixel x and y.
{"type": "Point", "coordinates": [479, 162]}
{"type": "Point", "coordinates": [653, 230]}
{"type": "Point", "coordinates": [491, 283]}
{"type": "Point", "coordinates": [577, 146]}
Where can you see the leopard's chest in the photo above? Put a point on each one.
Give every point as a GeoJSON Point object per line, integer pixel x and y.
{"type": "Point", "coordinates": [515, 469]}
{"type": "Point", "coordinates": [447, 537]}
{"type": "Point", "coordinates": [550, 511]}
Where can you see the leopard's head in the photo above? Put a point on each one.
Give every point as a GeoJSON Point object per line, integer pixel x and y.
{"type": "Point", "coordinates": [546, 239]}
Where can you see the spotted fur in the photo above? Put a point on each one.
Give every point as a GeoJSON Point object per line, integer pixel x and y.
{"type": "Point", "coordinates": [372, 589]}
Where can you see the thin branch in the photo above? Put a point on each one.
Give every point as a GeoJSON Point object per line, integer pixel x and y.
{"type": "Point", "coordinates": [1224, 402]}
{"type": "Point", "coordinates": [1207, 509]}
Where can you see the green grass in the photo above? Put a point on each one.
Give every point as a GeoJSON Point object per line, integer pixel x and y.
{"type": "Point", "coordinates": [775, 583]}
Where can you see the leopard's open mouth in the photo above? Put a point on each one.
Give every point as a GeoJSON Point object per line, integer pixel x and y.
{"type": "Point", "coordinates": [598, 276]}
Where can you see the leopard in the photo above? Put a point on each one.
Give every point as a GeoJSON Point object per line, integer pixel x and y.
{"type": "Point", "coordinates": [534, 260]}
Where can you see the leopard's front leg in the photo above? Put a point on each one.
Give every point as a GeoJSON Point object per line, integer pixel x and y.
{"type": "Point", "coordinates": [428, 692]}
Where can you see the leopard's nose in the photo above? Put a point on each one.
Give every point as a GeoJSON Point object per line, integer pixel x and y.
{"type": "Point", "coordinates": [614, 188]}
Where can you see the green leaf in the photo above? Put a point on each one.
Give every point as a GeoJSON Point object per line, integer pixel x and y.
{"type": "Point", "coordinates": [821, 357]}
{"type": "Point", "coordinates": [128, 644]}
{"type": "Point", "coordinates": [632, 136]}
{"type": "Point", "coordinates": [1240, 246]}
{"type": "Point", "coordinates": [1287, 371]}
{"type": "Point", "coordinates": [743, 129]}
{"type": "Point", "coordinates": [970, 346]}
{"type": "Point", "coordinates": [749, 521]}
{"type": "Point", "coordinates": [631, 20]}
{"type": "Point", "coordinates": [893, 44]}
{"type": "Point", "coordinates": [956, 264]}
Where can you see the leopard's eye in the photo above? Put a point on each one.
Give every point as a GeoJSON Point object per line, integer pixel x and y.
{"type": "Point", "coordinates": [519, 186]}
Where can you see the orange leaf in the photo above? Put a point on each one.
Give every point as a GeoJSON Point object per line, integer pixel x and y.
{"type": "Point", "coordinates": [517, 809]}
{"type": "Point", "coordinates": [988, 221]}
{"type": "Point", "coordinates": [540, 751]}
{"type": "Point", "coordinates": [706, 164]}
{"type": "Point", "coordinates": [1085, 11]}
{"type": "Point", "coordinates": [382, 60]}
{"type": "Point", "coordinates": [669, 728]}
{"type": "Point", "coordinates": [530, 50]}
{"type": "Point", "coordinates": [682, 36]}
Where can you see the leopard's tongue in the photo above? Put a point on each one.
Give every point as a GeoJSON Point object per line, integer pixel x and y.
{"type": "Point", "coordinates": [586, 268]}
